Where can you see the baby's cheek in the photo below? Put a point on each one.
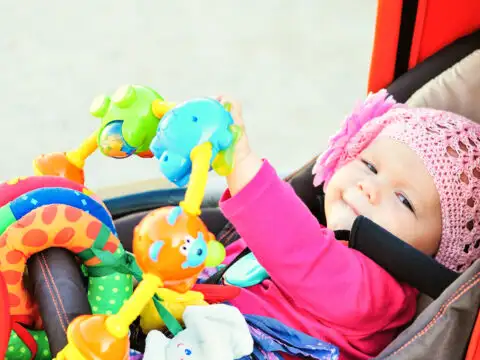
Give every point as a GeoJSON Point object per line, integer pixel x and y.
{"type": "Point", "coordinates": [389, 218]}
{"type": "Point", "coordinates": [332, 196]}
{"type": "Point", "coordinates": [408, 230]}
{"type": "Point", "coordinates": [340, 217]}
{"type": "Point", "coordinates": [426, 243]}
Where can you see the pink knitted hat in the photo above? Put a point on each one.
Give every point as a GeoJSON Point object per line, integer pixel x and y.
{"type": "Point", "coordinates": [449, 146]}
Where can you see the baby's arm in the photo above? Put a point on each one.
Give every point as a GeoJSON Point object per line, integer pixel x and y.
{"type": "Point", "coordinates": [336, 284]}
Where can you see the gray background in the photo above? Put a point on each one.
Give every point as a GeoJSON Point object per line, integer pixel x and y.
{"type": "Point", "coordinates": [297, 66]}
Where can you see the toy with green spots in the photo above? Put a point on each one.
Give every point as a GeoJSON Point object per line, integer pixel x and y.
{"type": "Point", "coordinates": [18, 350]}
{"type": "Point", "coordinates": [129, 120]}
{"type": "Point", "coordinates": [108, 293]}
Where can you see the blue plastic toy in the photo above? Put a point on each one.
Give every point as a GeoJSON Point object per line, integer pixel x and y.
{"type": "Point", "coordinates": [245, 272]}
{"type": "Point", "coordinates": [187, 126]}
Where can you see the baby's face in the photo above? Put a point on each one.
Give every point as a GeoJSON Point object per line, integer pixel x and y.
{"type": "Point", "coordinates": [389, 184]}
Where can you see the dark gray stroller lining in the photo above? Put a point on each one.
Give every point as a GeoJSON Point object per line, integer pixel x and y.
{"type": "Point", "coordinates": [442, 331]}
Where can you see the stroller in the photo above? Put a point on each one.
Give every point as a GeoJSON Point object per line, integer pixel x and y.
{"type": "Point", "coordinates": [426, 53]}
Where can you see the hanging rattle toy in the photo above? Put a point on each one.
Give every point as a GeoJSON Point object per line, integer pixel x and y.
{"type": "Point", "coordinates": [129, 120]}
{"type": "Point", "coordinates": [171, 245]}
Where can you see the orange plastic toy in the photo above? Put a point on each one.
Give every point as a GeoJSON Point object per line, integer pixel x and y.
{"type": "Point", "coordinates": [58, 164]}
{"type": "Point", "coordinates": [183, 243]}
{"type": "Point", "coordinates": [83, 331]}
{"type": "Point", "coordinates": [171, 247]}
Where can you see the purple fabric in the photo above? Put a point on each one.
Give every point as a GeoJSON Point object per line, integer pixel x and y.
{"type": "Point", "coordinates": [135, 355]}
{"type": "Point", "coordinates": [272, 339]}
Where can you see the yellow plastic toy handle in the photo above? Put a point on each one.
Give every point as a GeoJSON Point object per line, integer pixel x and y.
{"type": "Point", "coordinates": [161, 107]}
{"type": "Point", "coordinates": [223, 163]}
{"type": "Point", "coordinates": [118, 324]}
{"type": "Point", "coordinates": [78, 156]}
{"type": "Point", "coordinates": [200, 157]}
{"type": "Point", "coordinates": [69, 352]}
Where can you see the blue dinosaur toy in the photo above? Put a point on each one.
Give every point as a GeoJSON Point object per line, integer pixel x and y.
{"type": "Point", "coordinates": [186, 127]}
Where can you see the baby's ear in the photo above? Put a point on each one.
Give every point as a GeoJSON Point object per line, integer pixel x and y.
{"type": "Point", "coordinates": [155, 346]}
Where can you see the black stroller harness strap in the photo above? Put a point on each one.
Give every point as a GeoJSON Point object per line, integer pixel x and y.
{"type": "Point", "coordinates": [404, 262]}
{"type": "Point", "coordinates": [401, 260]}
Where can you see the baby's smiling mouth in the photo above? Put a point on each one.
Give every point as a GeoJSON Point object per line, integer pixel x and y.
{"type": "Point", "coordinates": [353, 208]}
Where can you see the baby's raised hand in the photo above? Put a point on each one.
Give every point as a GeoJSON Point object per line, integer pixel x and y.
{"type": "Point", "coordinates": [242, 148]}
{"type": "Point", "coordinates": [246, 162]}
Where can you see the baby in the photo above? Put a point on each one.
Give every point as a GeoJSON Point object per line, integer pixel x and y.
{"type": "Point", "coordinates": [414, 172]}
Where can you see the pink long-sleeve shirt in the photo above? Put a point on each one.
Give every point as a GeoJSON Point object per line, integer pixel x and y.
{"type": "Point", "coordinates": [318, 285]}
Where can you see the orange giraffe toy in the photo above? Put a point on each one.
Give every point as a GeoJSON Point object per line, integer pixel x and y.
{"type": "Point", "coordinates": [171, 247]}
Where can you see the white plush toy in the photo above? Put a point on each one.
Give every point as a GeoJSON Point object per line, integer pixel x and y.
{"type": "Point", "coordinates": [214, 332]}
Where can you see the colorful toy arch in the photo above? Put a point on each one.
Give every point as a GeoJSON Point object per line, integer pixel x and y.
{"type": "Point", "coordinates": [37, 213]}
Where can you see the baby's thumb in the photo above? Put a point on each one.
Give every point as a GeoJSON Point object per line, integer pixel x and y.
{"type": "Point", "coordinates": [234, 108]}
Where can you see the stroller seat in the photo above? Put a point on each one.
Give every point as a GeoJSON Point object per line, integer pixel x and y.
{"type": "Point", "coordinates": [448, 80]}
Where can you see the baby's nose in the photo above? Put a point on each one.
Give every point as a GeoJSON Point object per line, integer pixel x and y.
{"type": "Point", "coordinates": [370, 190]}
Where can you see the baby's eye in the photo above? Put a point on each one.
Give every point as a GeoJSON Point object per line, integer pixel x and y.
{"type": "Point", "coordinates": [405, 202]}
{"type": "Point", "coordinates": [370, 166]}
{"type": "Point", "coordinates": [188, 240]}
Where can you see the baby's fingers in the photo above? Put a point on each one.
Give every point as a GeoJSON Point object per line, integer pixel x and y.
{"type": "Point", "coordinates": [233, 107]}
